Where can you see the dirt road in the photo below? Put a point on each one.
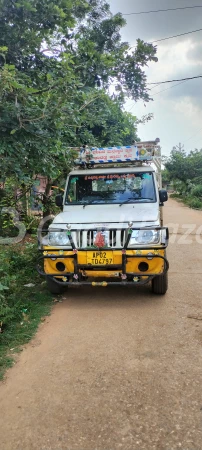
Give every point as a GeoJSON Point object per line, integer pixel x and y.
{"type": "Point", "coordinates": [115, 369]}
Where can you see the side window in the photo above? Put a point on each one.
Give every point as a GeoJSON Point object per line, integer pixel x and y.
{"type": "Point", "coordinates": [148, 186]}
{"type": "Point", "coordinates": [72, 190]}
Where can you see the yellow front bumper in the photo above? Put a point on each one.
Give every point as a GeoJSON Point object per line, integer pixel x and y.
{"type": "Point", "coordinates": [156, 265]}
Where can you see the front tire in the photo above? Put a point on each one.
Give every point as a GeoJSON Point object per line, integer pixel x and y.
{"type": "Point", "coordinates": [160, 284]}
{"type": "Point", "coordinates": [53, 287]}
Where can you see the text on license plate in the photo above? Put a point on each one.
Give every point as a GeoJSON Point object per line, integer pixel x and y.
{"type": "Point", "coordinates": [98, 258]}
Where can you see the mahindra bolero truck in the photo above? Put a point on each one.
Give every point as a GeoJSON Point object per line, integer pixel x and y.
{"type": "Point", "coordinates": [110, 229]}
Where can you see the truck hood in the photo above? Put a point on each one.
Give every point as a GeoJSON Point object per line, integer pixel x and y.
{"type": "Point", "coordinates": [144, 214]}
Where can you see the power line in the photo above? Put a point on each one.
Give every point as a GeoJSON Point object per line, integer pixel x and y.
{"type": "Point", "coordinates": [172, 81]}
{"type": "Point", "coordinates": [161, 10]}
{"type": "Point", "coordinates": [156, 93]}
{"type": "Point", "coordinates": [171, 87]}
{"type": "Point", "coordinates": [196, 134]}
{"type": "Point", "coordinates": [177, 35]}
{"type": "Point", "coordinates": [171, 37]}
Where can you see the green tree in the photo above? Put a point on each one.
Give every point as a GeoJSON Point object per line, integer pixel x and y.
{"type": "Point", "coordinates": [185, 170]}
{"type": "Point", "coordinates": [108, 124]}
{"type": "Point", "coordinates": [64, 76]}
{"type": "Point", "coordinates": [184, 167]}
{"type": "Point", "coordinates": [177, 166]}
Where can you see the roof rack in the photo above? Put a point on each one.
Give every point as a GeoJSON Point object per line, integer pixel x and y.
{"type": "Point", "coordinates": [139, 152]}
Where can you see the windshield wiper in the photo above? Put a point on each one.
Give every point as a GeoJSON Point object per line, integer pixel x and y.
{"type": "Point", "coordinates": [135, 200]}
{"type": "Point", "coordinates": [89, 203]}
{"type": "Point", "coordinates": [127, 201]}
{"type": "Point", "coordinates": [145, 198]}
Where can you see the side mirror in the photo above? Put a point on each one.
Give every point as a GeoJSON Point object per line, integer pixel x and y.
{"type": "Point", "coordinates": [59, 200]}
{"type": "Point", "coordinates": [163, 196]}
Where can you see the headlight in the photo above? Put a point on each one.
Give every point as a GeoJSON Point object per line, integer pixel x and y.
{"type": "Point", "coordinates": [144, 237]}
{"type": "Point", "coordinates": [58, 238]}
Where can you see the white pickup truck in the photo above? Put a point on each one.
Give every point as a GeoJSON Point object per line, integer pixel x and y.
{"type": "Point", "coordinates": [110, 229]}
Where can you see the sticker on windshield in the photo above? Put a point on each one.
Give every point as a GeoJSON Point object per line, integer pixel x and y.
{"type": "Point", "coordinates": [146, 176]}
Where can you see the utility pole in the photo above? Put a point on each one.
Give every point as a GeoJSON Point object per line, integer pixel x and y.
{"type": "Point", "coordinates": [179, 148]}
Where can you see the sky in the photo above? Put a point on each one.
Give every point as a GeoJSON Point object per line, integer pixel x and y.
{"type": "Point", "coordinates": [178, 110]}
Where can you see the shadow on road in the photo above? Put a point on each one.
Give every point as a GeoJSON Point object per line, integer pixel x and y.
{"type": "Point", "coordinates": [112, 297]}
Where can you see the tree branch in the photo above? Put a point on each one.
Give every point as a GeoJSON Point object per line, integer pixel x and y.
{"type": "Point", "coordinates": [86, 104]}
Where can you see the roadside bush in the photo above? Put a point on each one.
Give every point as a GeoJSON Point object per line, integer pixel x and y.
{"type": "Point", "coordinates": [18, 197]}
{"type": "Point", "coordinates": [197, 191]}
{"type": "Point", "coordinates": [31, 223]}
{"type": "Point", "coordinates": [194, 203]}
{"type": "Point", "coordinates": [174, 195]}
{"type": "Point", "coordinates": [17, 268]}
{"type": "Point", "coordinates": [189, 200]}
{"type": "Point", "coordinates": [21, 307]}
{"type": "Point", "coordinates": [180, 187]}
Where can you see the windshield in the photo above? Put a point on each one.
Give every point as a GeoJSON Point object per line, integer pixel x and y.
{"type": "Point", "coordinates": [115, 188]}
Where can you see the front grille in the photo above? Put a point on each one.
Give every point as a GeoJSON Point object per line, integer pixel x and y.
{"type": "Point", "coordinates": [114, 238]}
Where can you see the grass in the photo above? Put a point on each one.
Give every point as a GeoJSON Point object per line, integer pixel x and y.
{"type": "Point", "coordinates": [189, 200]}
{"type": "Point", "coordinates": [21, 308]}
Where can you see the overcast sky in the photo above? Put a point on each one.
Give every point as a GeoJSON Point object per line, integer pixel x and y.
{"type": "Point", "coordinates": [177, 111]}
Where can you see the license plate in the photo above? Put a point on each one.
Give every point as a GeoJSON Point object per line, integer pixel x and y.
{"type": "Point", "coordinates": [99, 258]}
